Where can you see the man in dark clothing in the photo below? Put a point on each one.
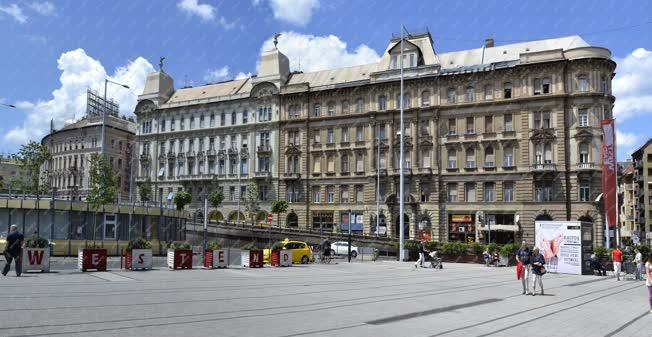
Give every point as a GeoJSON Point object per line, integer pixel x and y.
{"type": "Point", "coordinates": [14, 251]}
{"type": "Point", "coordinates": [422, 255]}
{"type": "Point", "coordinates": [326, 247]}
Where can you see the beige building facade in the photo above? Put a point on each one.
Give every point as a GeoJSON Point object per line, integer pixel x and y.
{"type": "Point", "coordinates": [219, 136]}
{"type": "Point", "coordinates": [495, 138]}
{"type": "Point", "coordinates": [72, 146]}
{"type": "Point", "coordinates": [642, 159]}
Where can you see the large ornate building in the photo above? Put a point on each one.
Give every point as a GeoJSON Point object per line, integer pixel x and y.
{"type": "Point", "coordinates": [73, 145]}
{"type": "Point", "coordinates": [217, 136]}
{"type": "Point", "coordinates": [495, 138]}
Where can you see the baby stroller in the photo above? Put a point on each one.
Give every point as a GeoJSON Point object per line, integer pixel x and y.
{"type": "Point", "coordinates": [435, 260]}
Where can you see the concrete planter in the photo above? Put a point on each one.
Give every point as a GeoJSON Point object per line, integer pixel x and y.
{"type": "Point", "coordinates": [91, 259]}
{"type": "Point", "coordinates": [252, 258]}
{"type": "Point", "coordinates": [218, 258]}
{"type": "Point", "coordinates": [36, 259]}
{"type": "Point", "coordinates": [179, 259]}
{"type": "Point", "coordinates": [136, 259]}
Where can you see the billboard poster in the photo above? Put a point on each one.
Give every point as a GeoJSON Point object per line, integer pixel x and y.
{"type": "Point", "coordinates": [356, 223]}
{"type": "Point", "coordinates": [560, 242]}
{"type": "Point", "coordinates": [609, 171]}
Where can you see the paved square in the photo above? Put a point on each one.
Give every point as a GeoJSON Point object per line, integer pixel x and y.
{"type": "Point", "coordinates": [357, 299]}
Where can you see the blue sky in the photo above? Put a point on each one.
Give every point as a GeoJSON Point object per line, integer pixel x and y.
{"type": "Point", "coordinates": [52, 50]}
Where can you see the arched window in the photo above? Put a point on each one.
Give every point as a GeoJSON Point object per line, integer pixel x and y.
{"type": "Point", "coordinates": [470, 158]}
{"type": "Point", "coordinates": [359, 105]}
{"type": "Point", "coordinates": [316, 111]}
{"type": "Point", "coordinates": [331, 108]}
{"type": "Point", "coordinates": [452, 159]}
{"type": "Point", "coordinates": [173, 124]}
{"type": "Point", "coordinates": [212, 121]}
{"type": "Point", "coordinates": [469, 93]}
{"type": "Point", "coordinates": [201, 121]}
{"type": "Point", "coordinates": [489, 158]}
{"type": "Point", "coordinates": [345, 107]}
{"type": "Point", "coordinates": [425, 98]}
{"type": "Point", "coordinates": [382, 103]}
{"type": "Point", "coordinates": [292, 220]}
{"type": "Point", "coordinates": [192, 122]}
{"type": "Point", "coordinates": [452, 95]}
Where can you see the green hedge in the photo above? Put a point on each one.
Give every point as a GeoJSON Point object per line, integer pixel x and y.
{"type": "Point", "coordinates": [454, 248]}
{"type": "Point", "coordinates": [509, 250]}
{"type": "Point", "coordinates": [179, 245]}
{"type": "Point", "coordinates": [213, 245]}
{"type": "Point", "coordinates": [477, 248]}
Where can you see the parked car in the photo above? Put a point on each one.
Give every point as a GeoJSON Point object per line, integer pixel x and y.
{"type": "Point", "coordinates": [342, 248]}
{"type": "Point", "coordinates": [301, 251]}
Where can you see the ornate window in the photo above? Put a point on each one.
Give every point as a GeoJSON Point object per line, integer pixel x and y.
{"type": "Point", "coordinates": [382, 103]}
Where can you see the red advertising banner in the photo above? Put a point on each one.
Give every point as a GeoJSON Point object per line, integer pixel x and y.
{"type": "Point", "coordinates": [609, 171]}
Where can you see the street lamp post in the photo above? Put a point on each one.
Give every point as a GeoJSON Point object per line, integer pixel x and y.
{"type": "Point", "coordinates": [104, 111]}
{"type": "Point", "coordinates": [401, 173]}
{"type": "Point", "coordinates": [349, 235]}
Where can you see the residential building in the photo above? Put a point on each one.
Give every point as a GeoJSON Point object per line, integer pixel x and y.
{"type": "Point", "coordinates": [72, 146]}
{"type": "Point", "coordinates": [642, 159]}
{"type": "Point", "coordinates": [626, 200]}
{"type": "Point", "coordinates": [498, 136]}
{"type": "Point", "coordinates": [219, 136]}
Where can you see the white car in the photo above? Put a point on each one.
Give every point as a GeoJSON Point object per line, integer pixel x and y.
{"type": "Point", "coordinates": [342, 248]}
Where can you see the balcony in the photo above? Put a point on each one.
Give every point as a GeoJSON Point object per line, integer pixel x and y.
{"type": "Point", "coordinates": [544, 167]}
{"type": "Point", "coordinates": [291, 176]}
{"type": "Point", "coordinates": [406, 170]}
{"type": "Point", "coordinates": [451, 134]}
{"type": "Point", "coordinates": [359, 173]}
{"type": "Point", "coordinates": [211, 153]}
{"type": "Point", "coordinates": [489, 166]}
{"type": "Point", "coordinates": [264, 148]}
{"type": "Point", "coordinates": [470, 166]}
{"type": "Point", "coordinates": [451, 168]}
{"type": "Point", "coordinates": [263, 174]}
{"type": "Point", "coordinates": [425, 170]}
{"type": "Point", "coordinates": [509, 166]}
{"type": "Point", "coordinates": [190, 154]}
{"type": "Point", "coordinates": [585, 166]}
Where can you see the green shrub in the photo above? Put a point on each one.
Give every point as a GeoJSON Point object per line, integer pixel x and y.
{"type": "Point", "coordinates": [432, 246]}
{"type": "Point", "coordinates": [493, 247]}
{"type": "Point", "coordinates": [278, 246]}
{"type": "Point", "coordinates": [139, 243]}
{"type": "Point", "coordinates": [410, 245]}
{"type": "Point", "coordinates": [37, 242]}
{"type": "Point", "coordinates": [477, 248]}
{"type": "Point", "coordinates": [179, 245]}
{"type": "Point", "coordinates": [509, 250]}
{"type": "Point", "coordinates": [454, 248]}
{"type": "Point", "coordinates": [213, 245]}
{"type": "Point", "coordinates": [600, 252]}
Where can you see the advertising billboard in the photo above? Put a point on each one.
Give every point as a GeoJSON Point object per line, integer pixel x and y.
{"type": "Point", "coordinates": [356, 223]}
{"type": "Point", "coordinates": [560, 242]}
{"type": "Point", "coordinates": [609, 171]}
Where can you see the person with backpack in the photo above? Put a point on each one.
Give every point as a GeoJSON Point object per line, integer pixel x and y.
{"type": "Point", "coordinates": [538, 269]}
{"type": "Point", "coordinates": [14, 251]}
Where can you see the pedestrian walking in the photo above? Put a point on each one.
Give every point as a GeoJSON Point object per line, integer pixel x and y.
{"type": "Point", "coordinates": [638, 259]}
{"type": "Point", "coordinates": [14, 251]}
{"type": "Point", "coordinates": [617, 258]}
{"type": "Point", "coordinates": [422, 255]}
{"type": "Point", "coordinates": [538, 269]}
{"type": "Point", "coordinates": [648, 281]}
{"type": "Point", "coordinates": [523, 256]}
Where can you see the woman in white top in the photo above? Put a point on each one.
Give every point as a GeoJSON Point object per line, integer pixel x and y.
{"type": "Point", "coordinates": [638, 259]}
{"type": "Point", "coordinates": [648, 282]}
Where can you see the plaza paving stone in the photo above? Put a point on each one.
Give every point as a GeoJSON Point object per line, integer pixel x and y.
{"type": "Point", "coordinates": [356, 299]}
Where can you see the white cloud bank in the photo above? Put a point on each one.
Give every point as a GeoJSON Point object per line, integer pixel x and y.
{"type": "Point", "coordinates": [206, 12]}
{"type": "Point", "coordinates": [313, 53]}
{"type": "Point", "coordinates": [296, 12]}
{"type": "Point", "coordinates": [632, 85]}
{"type": "Point", "coordinates": [78, 73]}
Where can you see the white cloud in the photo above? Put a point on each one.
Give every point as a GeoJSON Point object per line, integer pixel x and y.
{"type": "Point", "coordinates": [297, 12]}
{"type": "Point", "coordinates": [206, 12]}
{"type": "Point", "coordinates": [192, 7]}
{"type": "Point", "coordinates": [14, 11]}
{"type": "Point", "coordinates": [313, 53]}
{"type": "Point", "coordinates": [79, 72]}
{"type": "Point", "coordinates": [632, 85]}
{"type": "Point", "coordinates": [626, 143]}
{"type": "Point", "coordinates": [217, 75]}
{"type": "Point", "coordinates": [44, 8]}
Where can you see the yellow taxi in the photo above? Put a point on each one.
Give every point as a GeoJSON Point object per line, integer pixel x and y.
{"type": "Point", "coordinates": [301, 251]}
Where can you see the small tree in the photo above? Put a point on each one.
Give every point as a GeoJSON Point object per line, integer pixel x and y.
{"type": "Point", "coordinates": [103, 186]}
{"type": "Point", "coordinates": [216, 198]}
{"type": "Point", "coordinates": [145, 191]}
{"type": "Point", "coordinates": [251, 201]}
{"type": "Point", "coordinates": [181, 199]}
{"type": "Point", "coordinates": [31, 158]}
{"type": "Point", "coordinates": [278, 207]}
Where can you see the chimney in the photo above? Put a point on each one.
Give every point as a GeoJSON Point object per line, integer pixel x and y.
{"type": "Point", "coordinates": [488, 43]}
